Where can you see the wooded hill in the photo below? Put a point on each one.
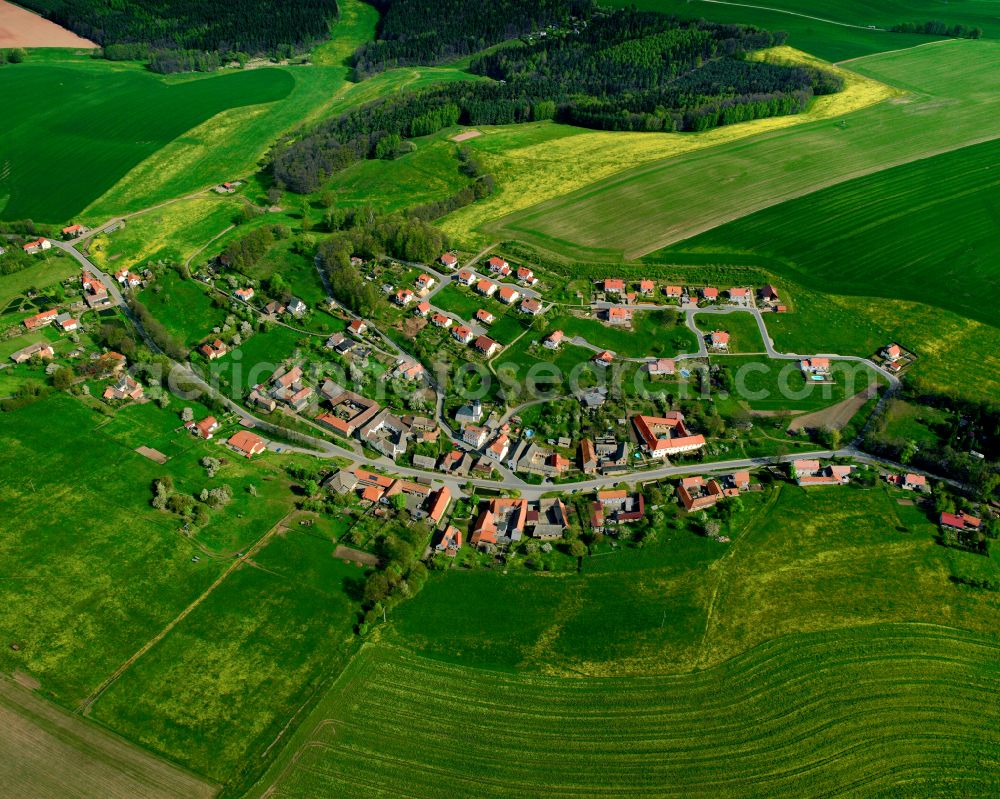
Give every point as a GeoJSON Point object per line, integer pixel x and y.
{"type": "Point", "coordinates": [624, 70]}
{"type": "Point", "coordinates": [247, 26]}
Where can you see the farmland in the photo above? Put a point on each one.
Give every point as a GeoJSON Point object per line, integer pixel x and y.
{"type": "Point", "coordinates": [954, 89]}
{"type": "Point", "coordinates": [731, 656]}
{"type": "Point", "coordinates": [60, 162]}
{"type": "Point", "coordinates": [52, 755]}
{"type": "Point", "coordinates": [885, 235]}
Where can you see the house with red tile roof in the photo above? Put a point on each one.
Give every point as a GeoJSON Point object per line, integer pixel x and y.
{"type": "Point", "coordinates": [893, 352]}
{"type": "Point", "coordinates": [371, 494]}
{"type": "Point", "coordinates": [246, 443]}
{"type": "Point", "coordinates": [719, 340]}
{"type": "Point", "coordinates": [36, 246]}
{"type": "Point", "coordinates": [613, 285]}
{"type": "Point", "coordinates": [425, 281]}
{"type": "Point", "coordinates": [462, 334]}
{"type": "Point", "coordinates": [403, 297]}
{"type": "Point", "coordinates": [466, 277]}
{"type": "Point", "coordinates": [530, 305]}
{"type": "Point", "coordinates": [647, 287]}
{"type": "Point", "coordinates": [40, 349]}
{"type": "Point", "coordinates": [213, 350]}
{"type": "Point", "coordinates": [449, 260]}
{"type": "Point", "coordinates": [357, 327]}
{"type": "Point", "coordinates": [125, 389]}
{"type": "Point", "coordinates": [813, 473]}
{"type": "Point", "coordinates": [554, 339]}
{"type": "Point", "coordinates": [499, 447]}
{"type": "Point", "coordinates": [487, 346]}
{"type": "Point", "coordinates": [438, 504]}
{"type": "Point", "coordinates": [526, 276]}
{"type": "Point", "coordinates": [43, 319]}
{"type": "Point", "coordinates": [246, 294]}
{"type": "Point", "coordinates": [450, 541]}
{"type": "Point", "coordinates": [661, 367]}
{"type": "Point", "coordinates": [588, 456]}
{"type": "Point", "coordinates": [205, 428]}
{"type": "Point", "coordinates": [74, 230]}
{"type": "Point", "coordinates": [485, 316]}
{"type": "Point", "coordinates": [128, 279]}
{"type": "Point", "coordinates": [498, 264]}
{"type": "Point", "coordinates": [474, 436]}
{"type": "Point", "coordinates": [665, 435]}
{"type": "Point", "coordinates": [422, 309]}
{"type": "Point", "coordinates": [619, 316]}
{"type": "Point", "coordinates": [440, 320]}
{"type": "Point", "coordinates": [604, 358]}
{"type": "Point", "coordinates": [508, 295]}
{"type": "Point", "coordinates": [486, 287]}
{"type": "Point", "coordinates": [710, 293]}
{"type": "Point", "coordinates": [815, 366]}
{"type": "Point", "coordinates": [673, 292]}
{"type": "Point", "coordinates": [739, 296]}
{"type": "Point", "coordinates": [960, 521]}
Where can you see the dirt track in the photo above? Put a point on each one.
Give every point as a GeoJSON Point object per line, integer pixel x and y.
{"type": "Point", "coordinates": [21, 28]}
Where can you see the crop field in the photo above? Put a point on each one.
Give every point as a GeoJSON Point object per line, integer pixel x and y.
{"type": "Point", "coordinates": [954, 101]}
{"type": "Point", "coordinates": [49, 754]}
{"type": "Point", "coordinates": [543, 162]}
{"type": "Point", "coordinates": [751, 680]}
{"type": "Point", "coordinates": [183, 306]}
{"type": "Point", "coordinates": [841, 32]}
{"type": "Point", "coordinates": [742, 328]}
{"type": "Point", "coordinates": [99, 121]}
{"type": "Point", "coordinates": [886, 235]}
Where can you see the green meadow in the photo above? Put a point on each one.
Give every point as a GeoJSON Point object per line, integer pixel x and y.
{"type": "Point", "coordinates": [184, 306]}
{"type": "Point", "coordinates": [924, 231]}
{"type": "Point", "coordinates": [97, 121]}
{"type": "Point", "coordinates": [685, 667]}
{"type": "Point", "coordinates": [744, 335]}
{"type": "Point", "coordinates": [652, 333]}
{"type": "Point", "coordinates": [953, 100]}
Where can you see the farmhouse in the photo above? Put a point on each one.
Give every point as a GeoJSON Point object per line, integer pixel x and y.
{"type": "Point", "coordinates": [43, 319]}
{"type": "Point", "coordinates": [661, 367]}
{"type": "Point", "coordinates": [450, 541]}
{"type": "Point", "coordinates": [462, 334]}
{"type": "Point", "coordinates": [619, 316]}
{"type": "Point", "coordinates": [125, 389]}
{"type": "Point", "coordinates": [485, 316]}
{"type": "Point", "coordinates": [504, 521]}
{"type": "Point", "coordinates": [666, 435]}
{"type": "Point", "coordinates": [710, 294]}
{"type": "Point", "coordinates": [449, 260]}
{"type": "Point", "coordinates": [811, 472]}
{"type": "Point", "coordinates": [36, 246]}
{"type": "Point", "coordinates": [94, 291]}
{"type": "Point", "coordinates": [486, 287]}
{"type": "Point", "coordinates": [531, 306]}
{"type": "Point", "coordinates": [386, 433]}
{"type": "Point", "coordinates": [620, 506]}
{"type": "Point", "coordinates": [533, 459]}
{"type": "Point", "coordinates": [422, 309]}
{"type": "Point", "coordinates": [466, 278]}
{"type": "Point", "coordinates": [719, 340]}
{"type": "Point", "coordinates": [588, 457]}
{"type": "Point", "coordinates": [487, 346]}
{"type": "Point", "coordinates": [613, 285]}
{"type": "Point", "coordinates": [673, 292]}
{"type": "Point", "coordinates": [67, 323]}
{"type": "Point", "coordinates": [554, 339]}
{"type": "Point", "coordinates": [604, 358]}
{"type": "Point", "coordinates": [245, 295]}
{"type": "Point", "coordinates": [349, 411]}
{"type": "Point", "coordinates": [508, 295]}
{"type": "Point", "coordinates": [213, 350]}
{"type": "Point", "coordinates": [815, 366]}
{"type": "Point", "coordinates": [246, 443]}
{"type": "Point", "coordinates": [25, 354]}
{"type": "Point", "coordinates": [74, 231]}
{"type": "Point", "coordinates": [408, 370]}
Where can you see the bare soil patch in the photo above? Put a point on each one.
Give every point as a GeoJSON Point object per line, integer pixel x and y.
{"type": "Point", "coordinates": [465, 135]}
{"type": "Point", "coordinates": [356, 555]}
{"type": "Point", "coordinates": [22, 28]}
{"type": "Point", "coordinates": [836, 416]}
{"type": "Point", "coordinates": [152, 454]}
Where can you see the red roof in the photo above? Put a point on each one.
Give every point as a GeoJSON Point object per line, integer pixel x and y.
{"type": "Point", "coordinates": [484, 344]}
{"type": "Point", "coordinates": [247, 443]}
{"type": "Point", "coordinates": [618, 313]}
{"type": "Point", "coordinates": [709, 293]}
{"type": "Point", "coordinates": [372, 493]}
{"type": "Point", "coordinates": [424, 307]}
{"type": "Point", "coordinates": [484, 316]}
{"type": "Point", "coordinates": [604, 357]}
{"type": "Point", "coordinates": [207, 425]}
{"type": "Point", "coordinates": [496, 262]}
{"type": "Point", "coordinates": [448, 259]}
{"type": "Point", "coordinates": [674, 291]}
{"type": "Point", "coordinates": [508, 293]}
{"type": "Point", "coordinates": [960, 521]}
{"type": "Point", "coordinates": [439, 504]}
{"type": "Point", "coordinates": [485, 286]}
{"type": "Point", "coordinates": [720, 337]}
{"type": "Point", "coordinates": [614, 284]}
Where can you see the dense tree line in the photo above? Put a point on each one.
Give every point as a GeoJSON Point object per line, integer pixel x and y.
{"type": "Point", "coordinates": [140, 30]}
{"type": "Point", "coordinates": [243, 253]}
{"type": "Point", "coordinates": [625, 70]}
{"type": "Point", "coordinates": [937, 28]}
{"type": "Point", "coordinates": [365, 233]}
{"type": "Point", "coordinates": [432, 31]}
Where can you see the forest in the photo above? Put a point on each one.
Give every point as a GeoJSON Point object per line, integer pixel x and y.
{"type": "Point", "coordinates": [623, 70]}
{"type": "Point", "coordinates": [432, 31]}
{"type": "Point", "coordinates": [135, 29]}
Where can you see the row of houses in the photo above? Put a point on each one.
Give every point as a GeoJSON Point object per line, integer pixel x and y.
{"type": "Point", "coordinates": [421, 501]}
{"type": "Point", "coordinates": [64, 321]}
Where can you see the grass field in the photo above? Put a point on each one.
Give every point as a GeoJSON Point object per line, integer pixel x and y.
{"type": "Point", "coordinates": [542, 161]}
{"type": "Point", "coordinates": [954, 99]}
{"type": "Point", "coordinates": [680, 669]}
{"type": "Point", "coordinates": [50, 269]}
{"type": "Point", "coordinates": [183, 306]}
{"type": "Point", "coordinates": [255, 361]}
{"type": "Point", "coordinates": [52, 755]}
{"type": "Point", "coordinates": [653, 333]}
{"type": "Point", "coordinates": [824, 37]}
{"type": "Point", "coordinates": [101, 120]}
{"type": "Point", "coordinates": [886, 235]}
{"type": "Point", "coordinates": [742, 328]}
